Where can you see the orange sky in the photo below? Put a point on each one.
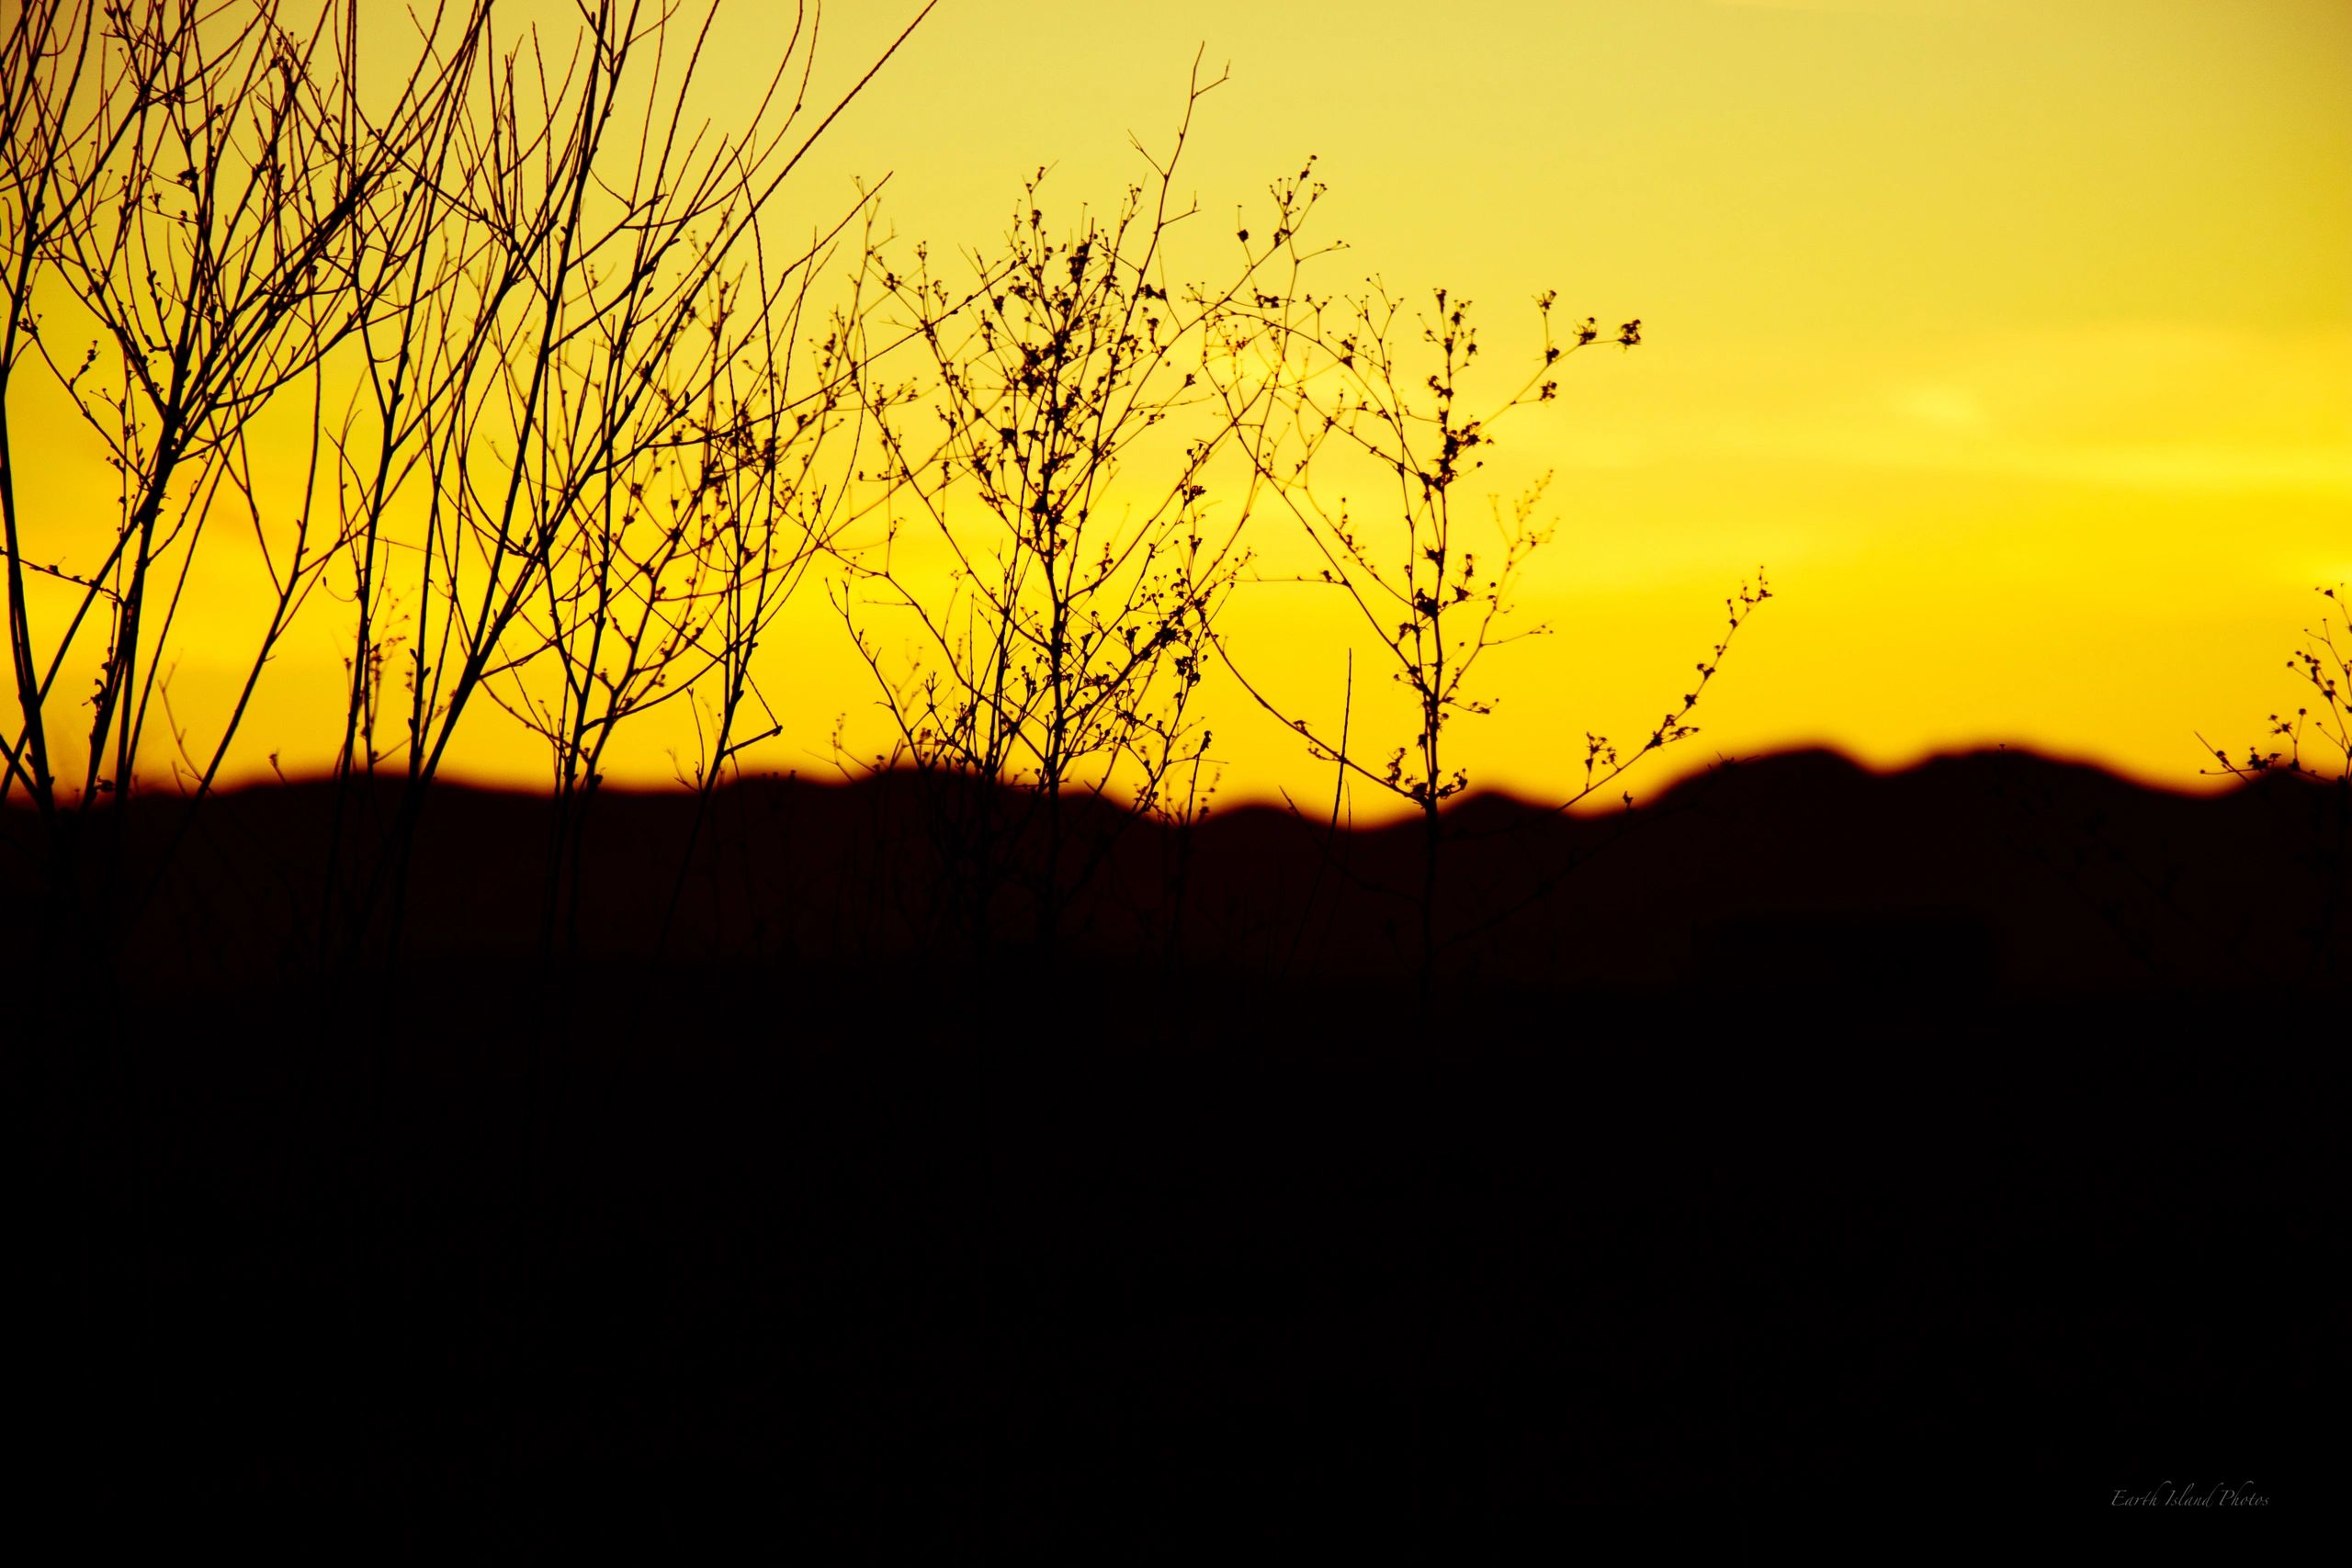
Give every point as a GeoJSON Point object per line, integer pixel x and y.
{"type": "Point", "coordinates": [2014, 337]}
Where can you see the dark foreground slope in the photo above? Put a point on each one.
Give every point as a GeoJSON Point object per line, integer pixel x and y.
{"type": "Point", "coordinates": [1834, 1138]}
{"type": "Point", "coordinates": [1988, 874]}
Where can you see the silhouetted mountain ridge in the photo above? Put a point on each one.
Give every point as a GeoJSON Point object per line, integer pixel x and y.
{"type": "Point", "coordinates": [1983, 871]}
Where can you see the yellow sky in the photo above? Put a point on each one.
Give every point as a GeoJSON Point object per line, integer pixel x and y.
{"type": "Point", "coordinates": [2014, 337]}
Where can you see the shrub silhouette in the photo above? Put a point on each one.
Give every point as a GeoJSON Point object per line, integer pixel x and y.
{"type": "Point", "coordinates": [1436, 597]}
{"type": "Point", "coordinates": [2320, 722]}
{"type": "Point", "coordinates": [2313, 744]}
{"type": "Point", "coordinates": [1060, 447]}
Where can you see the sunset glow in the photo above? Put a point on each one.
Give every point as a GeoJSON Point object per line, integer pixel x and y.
{"type": "Point", "coordinates": [2013, 339]}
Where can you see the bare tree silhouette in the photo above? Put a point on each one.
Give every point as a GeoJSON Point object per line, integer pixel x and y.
{"type": "Point", "coordinates": [192, 233]}
{"type": "Point", "coordinates": [578, 424]}
{"type": "Point", "coordinates": [597, 347]}
{"type": "Point", "coordinates": [545, 332]}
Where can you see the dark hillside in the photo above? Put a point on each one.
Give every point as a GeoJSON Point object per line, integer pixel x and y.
{"type": "Point", "coordinates": [1812, 1136]}
{"type": "Point", "coordinates": [1989, 872]}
